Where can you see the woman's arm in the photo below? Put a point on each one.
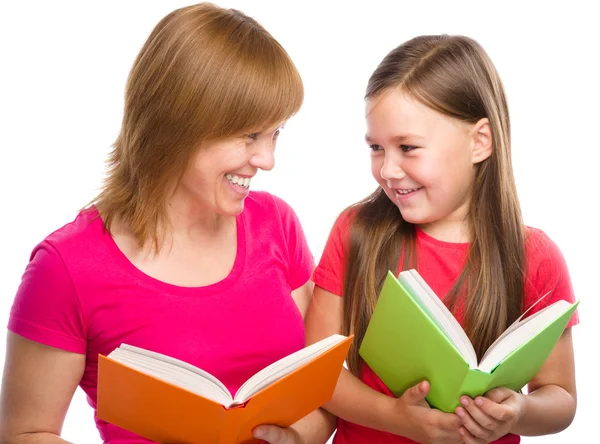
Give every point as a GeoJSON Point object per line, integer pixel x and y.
{"type": "Point", "coordinates": [355, 402]}
{"type": "Point", "coordinates": [314, 428]}
{"type": "Point", "coordinates": [37, 387]}
{"type": "Point", "coordinates": [317, 426]}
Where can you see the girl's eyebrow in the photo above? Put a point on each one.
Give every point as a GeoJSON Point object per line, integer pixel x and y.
{"type": "Point", "coordinates": [397, 139]}
{"type": "Point", "coordinates": [404, 137]}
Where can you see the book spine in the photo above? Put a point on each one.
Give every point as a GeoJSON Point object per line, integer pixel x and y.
{"type": "Point", "coordinates": [476, 383]}
{"type": "Point", "coordinates": [230, 428]}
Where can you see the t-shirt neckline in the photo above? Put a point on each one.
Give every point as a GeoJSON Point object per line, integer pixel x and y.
{"type": "Point", "coordinates": [422, 236]}
{"type": "Point", "coordinates": [238, 264]}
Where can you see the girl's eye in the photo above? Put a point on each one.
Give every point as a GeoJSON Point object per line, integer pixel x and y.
{"type": "Point", "coordinates": [407, 148]}
{"type": "Point", "coordinates": [375, 147]}
{"type": "Point", "coordinates": [253, 136]}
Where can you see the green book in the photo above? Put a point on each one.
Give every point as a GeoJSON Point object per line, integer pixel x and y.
{"type": "Point", "coordinates": [412, 337]}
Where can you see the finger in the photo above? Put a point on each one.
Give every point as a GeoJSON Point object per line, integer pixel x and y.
{"type": "Point", "coordinates": [498, 394]}
{"type": "Point", "coordinates": [468, 438]}
{"type": "Point", "coordinates": [272, 434]}
{"type": "Point", "coordinates": [472, 426]}
{"type": "Point", "coordinates": [497, 411]}
{"type": "Point", "coordinates": [417, 393]}
{"type": "Point", "coordinates": [446, 421]}
{"type": "Point", "coordinates": [480, 424]}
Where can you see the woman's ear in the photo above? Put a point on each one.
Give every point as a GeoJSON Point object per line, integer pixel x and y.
{"type": "Point", "coordinates": [482, 141]}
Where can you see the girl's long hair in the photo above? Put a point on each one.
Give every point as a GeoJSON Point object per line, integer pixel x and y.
{"type": "Point", "coordinates": [454, 76]}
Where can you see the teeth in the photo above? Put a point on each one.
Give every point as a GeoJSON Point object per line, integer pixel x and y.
{"type": "Point", "coordinates": [407, 191]}
{"type": "Point", "coordinates": [240, 181]}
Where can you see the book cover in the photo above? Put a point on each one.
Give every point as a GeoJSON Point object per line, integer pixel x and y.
{"type": "Point", "coordinates": [404, 346]}
{"type": "Point", "coordinates": [168, 414]}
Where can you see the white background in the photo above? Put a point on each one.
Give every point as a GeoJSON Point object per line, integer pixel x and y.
{"type": "Point", "coordinates": [63, 67]}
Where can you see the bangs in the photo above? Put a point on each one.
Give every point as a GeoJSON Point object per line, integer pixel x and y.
{"type": "Point", "coordinates": [259, 87]}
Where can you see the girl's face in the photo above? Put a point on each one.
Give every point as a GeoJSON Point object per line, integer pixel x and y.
{"type": "Point", "coordinates": [425, 160]}
{"type": "Point", "coordinates": [217, 179]}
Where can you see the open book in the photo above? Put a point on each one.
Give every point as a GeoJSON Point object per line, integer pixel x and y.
{"type": "Point", "coordinates": [413, 336]}
{"type": "Point", "coordinates": [170, 401]}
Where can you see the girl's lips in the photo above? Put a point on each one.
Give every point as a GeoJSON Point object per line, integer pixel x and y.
{"type": "Point", "coordinates": [404, 196]}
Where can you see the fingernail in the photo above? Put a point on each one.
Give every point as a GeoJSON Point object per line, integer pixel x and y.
{"type": "Point", "coordinates": [479, 401]}
{"type": "Point", "coordinates": [460, 412]}
{"type": "Point", "coordinates": [464, 401]}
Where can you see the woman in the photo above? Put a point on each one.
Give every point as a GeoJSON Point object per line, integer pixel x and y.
{"type": "Point", "coordinates": [176, 254]}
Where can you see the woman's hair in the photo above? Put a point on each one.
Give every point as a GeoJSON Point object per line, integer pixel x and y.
{"type": "Point", "coordinates": [204, 73]}
{"type": "Point", "coordinates": [454, 76]}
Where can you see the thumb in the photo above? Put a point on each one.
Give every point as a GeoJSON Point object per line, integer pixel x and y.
{"type": "Point", "coordinates": [272, 434]}
{"type": "Point", "coordinates": [499, 394]}
{"type": "Point", "coordinates": [416, 394]}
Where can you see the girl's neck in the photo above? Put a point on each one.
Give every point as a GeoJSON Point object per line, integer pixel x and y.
{"type": "Point", "coordinates": [455, 231]}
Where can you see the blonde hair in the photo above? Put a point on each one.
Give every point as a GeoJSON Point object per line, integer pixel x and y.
{"type": "Point", "coordinates": [454, 76]}
{"type": "Point", "coordinates": [204, 73]}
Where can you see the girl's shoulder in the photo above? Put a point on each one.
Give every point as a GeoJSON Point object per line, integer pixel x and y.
{"type": "Point", "coordinates": [547, 273]}
{"type": "Point", "coordinates": [539, 246]}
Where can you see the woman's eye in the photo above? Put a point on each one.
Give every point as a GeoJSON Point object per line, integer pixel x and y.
{"type": "Point", "coordinates": [407, 148]}
{"type": "Point", "coordinates": [276, 134]}
{"type": "Point", "coordinates": [375, 147]}
{"type": "Point", "coordinates": [253, 136]}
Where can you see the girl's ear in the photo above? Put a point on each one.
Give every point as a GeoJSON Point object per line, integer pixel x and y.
{"type": "Point", "coordinates": [482, 141]}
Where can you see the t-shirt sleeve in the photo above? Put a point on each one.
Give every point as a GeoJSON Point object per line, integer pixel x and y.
{"type": "Point", "coordinates": [301, 260]}
{"type": "Point", "coordinates": [46, 308]}
{"type": "Point", "coordinates": [548, 273]}
{"type": "Point", "coordinates": [329, 274]}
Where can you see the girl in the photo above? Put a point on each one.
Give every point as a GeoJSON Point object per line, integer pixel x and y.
{"type": "Point", "coordinates": [439, 133]}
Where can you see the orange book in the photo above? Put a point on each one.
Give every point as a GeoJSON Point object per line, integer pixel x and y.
{"type": "Point", "coordinates": [172, 402]}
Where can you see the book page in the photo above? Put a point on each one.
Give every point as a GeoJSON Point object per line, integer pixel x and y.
{"type": "Point", "coordinates": [173, 371]}
{"type": "Point", "coordinates": [284, 366]}
{"type": "Point", "coordinates": [441, 315]}
{"type": "Point", "coordinates": [519, 333]}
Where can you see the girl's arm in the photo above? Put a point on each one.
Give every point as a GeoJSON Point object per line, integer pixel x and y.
{"type": "Point", "coordinates": [548, 408]}
{"type": "Point", "coordinates": [354, 401]}
{"type": "Point", "coordinates": [37, 387]}
{"type": "Point", "coordinates": [552, 400]}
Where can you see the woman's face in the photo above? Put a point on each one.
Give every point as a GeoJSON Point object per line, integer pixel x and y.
{"type": "Point", "coordinates": [217, 179]}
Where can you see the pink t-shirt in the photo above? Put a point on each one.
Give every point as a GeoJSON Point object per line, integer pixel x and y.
{"type": "Point", "coordinates": [440, 264]}
{"type": "Point", "coordinates": [81, 294]}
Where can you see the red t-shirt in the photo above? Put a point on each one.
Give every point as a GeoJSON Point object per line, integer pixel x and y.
{"type": "Point", "coordinates": [440, 264]}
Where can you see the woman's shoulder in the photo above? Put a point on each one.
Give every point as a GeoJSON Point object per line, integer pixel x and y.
{"type": "Point", "coordinates": [79, 234]}
{"type": "Point", "coordinates": [262, 204]}
{"type": "Point", "coordinates": [265, 201]}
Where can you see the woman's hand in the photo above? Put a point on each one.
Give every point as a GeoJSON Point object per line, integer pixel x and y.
{"type": "Point", "coordinates": [277, 435]}
{"type": "Point", "coordinates": [489, 417]}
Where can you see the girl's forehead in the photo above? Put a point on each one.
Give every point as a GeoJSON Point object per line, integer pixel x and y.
{"type": "Point", "coordinates": [402, 111]}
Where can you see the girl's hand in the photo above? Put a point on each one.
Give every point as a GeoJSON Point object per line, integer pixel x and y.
{"type": "Point", "coordinates": [421, 422]}
{"type": "Point", "coordinates": [277, 435]}
{"type": "Point", "coordinates": [491, 416]}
